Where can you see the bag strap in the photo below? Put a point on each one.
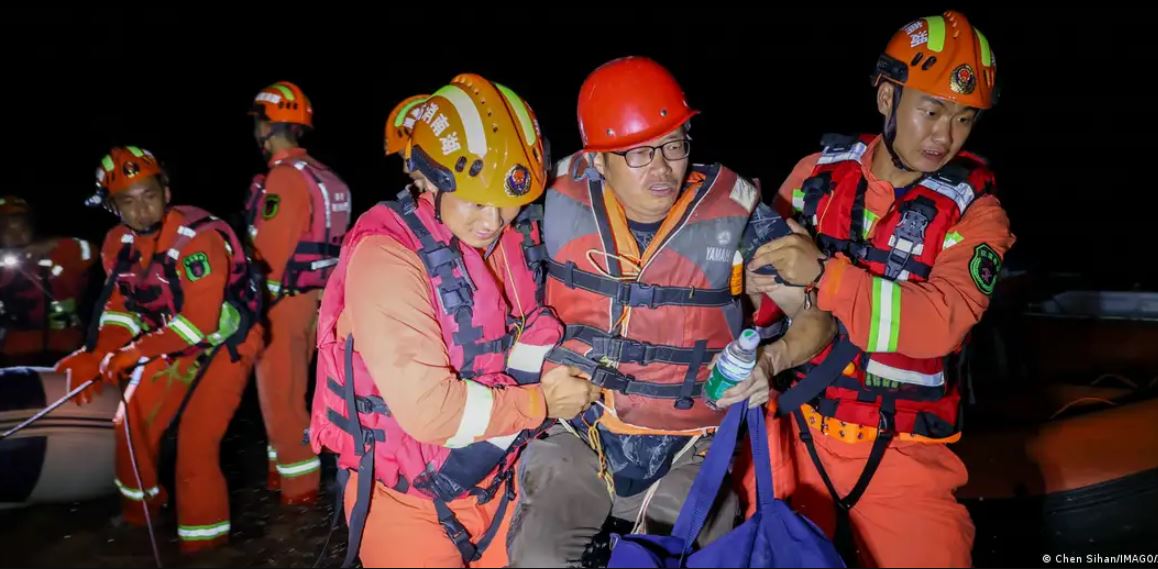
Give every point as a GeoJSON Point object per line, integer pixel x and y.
{"type": "Point", "coordinates": [710, 479]}
{"type": "Point", "coordinates": [761, 459]}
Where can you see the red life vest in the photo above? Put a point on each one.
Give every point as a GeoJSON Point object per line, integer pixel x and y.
{"type": "Point", "coordinates": [317, 250]}
{"type": "Point", "coordinates": [32, 296]}
{"type": "Point", "coordinates": [684, 304]}
{"type": "Point", "coordinates": [479, 327]}
{"type": "Point", "coordinates": [915, 394]}
{"type": "Point", "coordinates": [153, 293]}
{"type": "Point", "coordinates": [349, 416]}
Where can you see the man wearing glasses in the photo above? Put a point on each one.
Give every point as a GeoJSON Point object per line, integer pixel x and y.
{"type": "Point", "coordinates": [646, 256]}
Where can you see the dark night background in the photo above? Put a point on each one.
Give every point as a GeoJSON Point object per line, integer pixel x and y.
{"type": "Point", "coordinates": [769, 84]}
{"type": "Point", "coordinates": [1068, 141]}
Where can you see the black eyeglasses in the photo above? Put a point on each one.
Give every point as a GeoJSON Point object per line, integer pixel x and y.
{"type": "Point", "coordinates": [641, 156]}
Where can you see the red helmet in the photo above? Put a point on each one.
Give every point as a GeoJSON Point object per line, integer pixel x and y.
{"type": "Point", "coordinates": [628, 101]}
{"type": "Point", "coordinates": [13, 205]}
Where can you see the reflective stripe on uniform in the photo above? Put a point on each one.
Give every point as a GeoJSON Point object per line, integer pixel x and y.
{"type": "Point", "coordinates": [476, 415]}
{"type": "Point", "coordinates": [300, 468]}
{"type": "Point", "coordinates": [187, 330]}
{"type": "Point", "coordinates": [527, 357]}
{"type": "Point", "coordinates": [134, 494]}
{"type": "Point", "coordinates": [203, 533]}
{"type": "Point", "coordinates": [885, 328]}
{"type": "Point", "coordinates": [122, 319]}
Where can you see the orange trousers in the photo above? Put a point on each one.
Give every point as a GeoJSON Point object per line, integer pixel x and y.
{"type": "Point", "coordinates": [402, 530]}
{"type": "Point", "coordinates": [283, 376]}
{"type": "Point", "coordinates": [908, 516]}
{"type": "Point", "coordinates": [155, 397]}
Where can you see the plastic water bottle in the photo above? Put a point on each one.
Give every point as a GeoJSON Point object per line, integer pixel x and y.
{"type": "Point", "coordinates": [734, 366]}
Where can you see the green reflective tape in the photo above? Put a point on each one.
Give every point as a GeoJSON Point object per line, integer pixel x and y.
{"type": "Point", "coordinates": [986, 55]}
{"type": "Point", "coordinates": [133, 493]}
{"type": "Point", "coordinates": [227, 324]}
{"type": "Point", "coordinates": [936, 33]}
{"type": "Point", "coordinates": [285, 91]}
{"type": "Point", "coordinates": [67, 305]}
{"type": "Point", "coordinates": [875, 318]}
{"type": "Point", "coordinates": [798, 199]}
{"type": "Point", "coordinates": [885, 326]}
{"type": "Point", "coordinates": [121, 319]}
{"type": "Point", "coordinates": [187, 330]}
{"type": "Point", "coordinates": [299, 468]}
{"type": "Point", "coordinates": [895, 319]}
{"type": "Point", "coordinates": [203, 533]}
{"type": "Point", "coordinates": [405, 111]}
{"type": "Point", "coordinates": [520, 108]}
{"type": "Point", "coordinates": [869, 219]}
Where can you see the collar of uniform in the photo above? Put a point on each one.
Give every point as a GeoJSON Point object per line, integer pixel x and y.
{"type": "Point", "coordinates": [159, 240]}
{"type": "Point", "coordinates": [881, 194]}
{"type": "Point", "coordinates": [298, 152]}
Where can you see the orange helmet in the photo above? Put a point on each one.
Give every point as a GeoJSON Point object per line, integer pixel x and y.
{"type": "Point", "coordinates": [481, 141]}
{"type": "Point", "coordinates": [14, 205]}
{"type": "Point", "coordinates": [124, 166]}
{"type": "Point", "coordinates": [401, 121]}
{"type": "Point", "coordinates": [628, 101]}
{"type": "Point", "coordinates": [283, 102]}
{"type": "Point", "coordinates": [943, 56]}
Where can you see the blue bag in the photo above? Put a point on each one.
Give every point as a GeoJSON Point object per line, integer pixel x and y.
{"type": "Point", "coordinates": [775, 536]}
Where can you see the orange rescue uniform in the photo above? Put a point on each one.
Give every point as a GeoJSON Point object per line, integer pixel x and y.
{"type": "Point", "coordinates": [908, 516]}
{"type": "Point", "coordinates": [196, 393]}
{"type": "Point", "coordinates": [283, 367]}
{"type": "Point", "coordinates": [401, 343]}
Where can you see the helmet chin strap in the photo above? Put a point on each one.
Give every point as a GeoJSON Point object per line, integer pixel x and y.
{"type": "Point", "coordinates": [890, 131]}
{"type": "Point", "coordinates": [261, 143]}
{"type": "Point", "coordinates": [152, 228]}
{"type": "Point", "coordinates": [438, 206]}
{"type": "Point", "coordinates": [148, 231]}
{"type": "Point", "coordinates": [274, 130]}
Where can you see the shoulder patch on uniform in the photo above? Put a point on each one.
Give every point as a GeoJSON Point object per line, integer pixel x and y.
{"type": "Point", "coordinates": [270, 206]}
{"type": "Point", "coordinates": [984, 267]}
{"type": "Point", "coordinates": [197, 266]}
{"type": "Point", "coordinates": [744, 193]}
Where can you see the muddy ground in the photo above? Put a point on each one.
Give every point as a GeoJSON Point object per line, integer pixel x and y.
{"type": "Point", "coordinates": [264, 533]}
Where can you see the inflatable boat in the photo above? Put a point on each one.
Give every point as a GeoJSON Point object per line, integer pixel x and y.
{"type": "Point", "coordinates": [1061, 440]}
{"type": "Point", "coordinates": [66, 456]}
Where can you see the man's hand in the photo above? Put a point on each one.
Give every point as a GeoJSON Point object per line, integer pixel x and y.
{"type": "Point", "coordinates": [795, 257]}
{"type": "Point", "coordinates": [757, 389]}
{"type": "Point", "coordinates": [81, 366]}
{"type": "Point", "coordinates": [568, 392]}
{"type": "Point", "coordinates": [119, 364]}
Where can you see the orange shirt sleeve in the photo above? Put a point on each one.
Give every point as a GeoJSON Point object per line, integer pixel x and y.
{"type": "Point", "coordinates": [400, 340]}
{"type": "Point", "coordinates": [927, 319]}
{"type": "Point", "coordinates": [117, 326]}
{"type": "Point", "coordinates": [203, 272]}
{"type": "Point", "coordinates": [284, 220]}
{"type": "Point", "coordinates": [789, 199]}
